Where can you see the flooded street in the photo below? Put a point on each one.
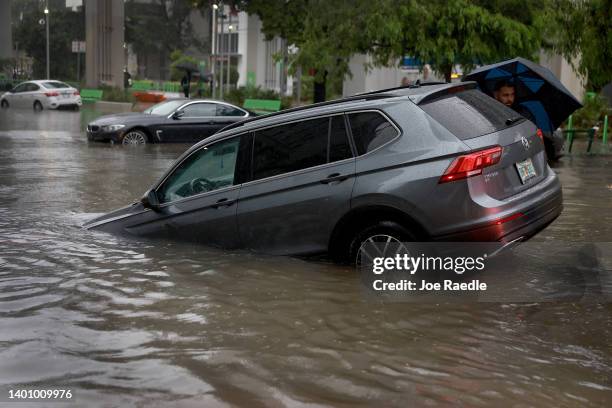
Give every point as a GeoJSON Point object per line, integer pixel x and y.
{"type": "Point", "coordinates": [127, 322]}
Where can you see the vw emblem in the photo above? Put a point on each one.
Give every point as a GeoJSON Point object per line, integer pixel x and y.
{"type": "Point", "coordinates": [525, 142]}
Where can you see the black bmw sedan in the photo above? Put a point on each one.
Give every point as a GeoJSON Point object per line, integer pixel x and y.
{"type": "Point", "coordinates": [174, 120]}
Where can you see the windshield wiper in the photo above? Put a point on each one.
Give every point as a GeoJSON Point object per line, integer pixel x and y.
{"type": "Point", "coordinates": [512, 121]}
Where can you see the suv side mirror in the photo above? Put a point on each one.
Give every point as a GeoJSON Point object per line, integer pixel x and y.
{"type": "Point", "coordinates": [150, 200]}
{"type": "Point", "coordinates": [178, 114]}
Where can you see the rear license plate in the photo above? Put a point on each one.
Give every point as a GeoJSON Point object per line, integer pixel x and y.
{"type": "Point", "coordinates": [525, 170]}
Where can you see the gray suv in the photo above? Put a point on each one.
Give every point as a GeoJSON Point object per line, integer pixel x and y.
{"type": "Point", "coordinates": [438, 162]}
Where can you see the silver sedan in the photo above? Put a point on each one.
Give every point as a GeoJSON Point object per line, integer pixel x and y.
{"type": "Point", "coordinates": [43, 94]}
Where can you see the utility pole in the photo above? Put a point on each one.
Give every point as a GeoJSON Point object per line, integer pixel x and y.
{"type": "Point", "coordinates": [79, 63]}
{"type": "Point", "coordinates": [47, 27]}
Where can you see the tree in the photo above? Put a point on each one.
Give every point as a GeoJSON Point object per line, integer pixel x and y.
{"type": "Point", "coordinates": [582, 34]}
{"type": "Point", "coordinates": [160, 26]}
{"type": "Point", "coordinates": [465, 32]}
{"type": "Point", "coordinates": [441, 33]}
{"type": "Point", "coordinates": [65, 26]}
{"type": "Point", "coordinates": [321, 30]}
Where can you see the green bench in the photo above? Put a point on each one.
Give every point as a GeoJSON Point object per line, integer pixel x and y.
{"type": "Point", "coordinates": [143, 85]}
{"type": "Point", "coordinates": [91, 95]}
{"type": "Point", "coordinates": [262, 105]}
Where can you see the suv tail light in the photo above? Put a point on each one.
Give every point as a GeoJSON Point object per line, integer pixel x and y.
{"type": "Point", "coordinates": [76, 93]}
{"type": "Point", "coordinates": [51, 94]}
{"type": "Point", "coordinates": [469, 165]}
{"type": "Point", "coordinates": [540, 135]}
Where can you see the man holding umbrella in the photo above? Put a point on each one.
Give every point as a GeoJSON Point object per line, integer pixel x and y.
{"type": "Point", "coordinates": [505, 93]}
{"type": "Point", "coordinates": [185, 83]}
{"type": "Point", "coordinates": [530, 88]}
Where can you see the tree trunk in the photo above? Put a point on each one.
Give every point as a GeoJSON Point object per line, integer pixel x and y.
{"type": "Point", "coordinates": [447, 73]}
{"type": "Point", "coordinates": [319, 90]}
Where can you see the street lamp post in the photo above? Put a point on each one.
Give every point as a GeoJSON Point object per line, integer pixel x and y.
{"type": "Point", "coordinates": [47, 28]}
{"type": "Point", "coordinates": [213, 50]}
{"type": "Point", "coordinates": [230, 28]}
{"type": "Point", "coordinates": [221, 53]}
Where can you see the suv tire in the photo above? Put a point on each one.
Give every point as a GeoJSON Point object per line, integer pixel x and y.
{"type": "Point", "coordinates": [391, 229]}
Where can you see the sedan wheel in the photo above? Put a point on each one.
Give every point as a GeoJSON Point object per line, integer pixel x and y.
{"type": "Point", "coordinates": [38, 106]}
{"type": "Point", "coordinates": [4, 104]}
{"type": "Point", "coordinates": [134, 137]}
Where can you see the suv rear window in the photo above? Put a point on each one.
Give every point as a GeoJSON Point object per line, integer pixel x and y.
{"type": "Point", "coordinates": [470, 113]}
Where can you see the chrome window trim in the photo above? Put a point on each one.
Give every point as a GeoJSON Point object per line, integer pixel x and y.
{"type": "Point", "coordinates": [199, 195]}
{"type": "Point", "coordinates": [246, 114]}
{"type": "Point", "coordinates": [349, 134]}
{"type": "Point", "coordinates": [298, 172]}
{"type": "Point", "coordinates": [327, 115]}
{"type": "Point", "coordinates": [295, 172]}
{"type": "Point", "coordinates": [397, 129]}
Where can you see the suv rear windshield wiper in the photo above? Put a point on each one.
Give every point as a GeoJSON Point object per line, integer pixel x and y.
{"type": "Point", "coordinates": [512, 121]}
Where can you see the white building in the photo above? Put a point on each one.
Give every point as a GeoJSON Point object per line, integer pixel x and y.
{"type": "Point", "coordinates": [255, 57]}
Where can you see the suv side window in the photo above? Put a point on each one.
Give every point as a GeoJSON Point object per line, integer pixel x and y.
{"type": "Point", "coordinates": [210, 168]}
{"type": "Point", "coordinates": [370, 130]}
{"type": "Point", "coordinates": [290, 147]}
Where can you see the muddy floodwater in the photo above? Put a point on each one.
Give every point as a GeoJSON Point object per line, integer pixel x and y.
{"type": "Point", "coordinates": [126, 322]}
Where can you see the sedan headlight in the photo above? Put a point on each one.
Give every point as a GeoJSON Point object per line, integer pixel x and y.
{"type": "Point", "coordinates": [112, 128]}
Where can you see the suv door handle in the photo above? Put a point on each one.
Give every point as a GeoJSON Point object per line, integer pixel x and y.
{"type": "Point", "coordinates": [224, 202]}
{"type": "Point", "coordinates": [333, 177]}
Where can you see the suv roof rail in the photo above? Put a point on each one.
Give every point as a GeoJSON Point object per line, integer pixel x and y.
{"type": "Point", "coordinates": [414, 85]}
{"type": "Point", "coordinates": [360, 97]}
{"type": "Point", "coordinates": [439, 93]}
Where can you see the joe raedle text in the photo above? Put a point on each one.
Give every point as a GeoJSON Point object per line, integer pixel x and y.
{"type": "Point", "coordinates": [423, 286]}
{"type": "Point", "coordinates": [390, 271]}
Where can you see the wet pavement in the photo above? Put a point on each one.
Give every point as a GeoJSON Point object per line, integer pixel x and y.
{"type": "Point", "coordinates": [126, 322]}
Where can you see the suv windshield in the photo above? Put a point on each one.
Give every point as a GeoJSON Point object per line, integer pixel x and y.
{"type": "Point", "coordinates": [471, 114]}
{"type": "Point", "coordinates": [164, 108]}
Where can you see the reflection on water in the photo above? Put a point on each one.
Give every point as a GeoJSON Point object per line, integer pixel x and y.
{"type": "Point", "coordinates": [126, 322]}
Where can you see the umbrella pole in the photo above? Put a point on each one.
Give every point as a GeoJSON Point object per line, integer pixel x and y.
{"type": "Point", "coordinates": [591, 133]}
{"type": "Point", "coordinates": [570, 134]}
{"type": "Point", "coordinates": [605, 131]}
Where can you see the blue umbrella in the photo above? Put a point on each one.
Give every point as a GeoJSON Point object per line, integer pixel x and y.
{"type": "Point", "coordinates": [536, 89]}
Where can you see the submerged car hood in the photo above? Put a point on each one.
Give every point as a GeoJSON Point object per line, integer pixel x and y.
{"type": "Point", "coordinates": [126, 118]}
{"type": "Point", "coordinates": [114, 215]}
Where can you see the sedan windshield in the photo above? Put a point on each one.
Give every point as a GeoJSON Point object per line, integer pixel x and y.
{"type": "Point", "coordinates": [164, 108]}
{"type": "Point", "coordinates": [55, 85]}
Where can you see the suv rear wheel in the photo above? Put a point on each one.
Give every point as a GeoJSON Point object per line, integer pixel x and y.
{"type": "Point", "coordinates": [382, 232]}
